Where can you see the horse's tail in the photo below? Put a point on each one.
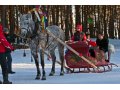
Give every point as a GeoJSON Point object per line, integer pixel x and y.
{"type": "Point", "coordinates": [62, 35]}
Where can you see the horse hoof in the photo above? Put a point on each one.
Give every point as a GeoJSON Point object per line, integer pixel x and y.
{"type": "Point", "coordinates": [51, 74]}
{"type": "Point", "coordinates": [37, 77]}
{"type": "Point", "coordinates": [61, 74]}
{"type": "Point", "coordinates": [43, 78]}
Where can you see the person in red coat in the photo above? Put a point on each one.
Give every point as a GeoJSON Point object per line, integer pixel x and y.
{"type": "Point", "coordinates": [10, 38]}
{"type": "Point", "coordinates": [89, 41]}
{"type": "Point", "coordinates": [4, 46]}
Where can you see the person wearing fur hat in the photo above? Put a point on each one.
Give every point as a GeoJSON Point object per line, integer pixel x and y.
{"type": "Point", "coordinates": [4, 46]}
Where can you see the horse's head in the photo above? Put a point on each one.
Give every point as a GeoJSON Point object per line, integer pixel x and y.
{"type": "Point", "coordinates": [26, 25]}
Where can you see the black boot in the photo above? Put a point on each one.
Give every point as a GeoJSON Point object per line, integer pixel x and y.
{"type": "Point", "coordinates": [107, 60]}
{"type": "Point", "coordinates": [7, 82]}
{"type": "Point", "coordinates": [0, 82]}
{"type": "Point", "coordinates": [5, 79]}
{"type": "Point", "coordinates": [11, 72]}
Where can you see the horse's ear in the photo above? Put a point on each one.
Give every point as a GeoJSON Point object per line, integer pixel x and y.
{"type": "Point", "coordinates": [20, 15]}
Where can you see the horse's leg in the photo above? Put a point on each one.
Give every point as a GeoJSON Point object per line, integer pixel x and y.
{"type": "Point", "coordinates": [35, 56]}
{"type": "Point", "coordinates": [61, 55]}
{"type": "Point", "coordinates": [52, 53]}
{"type": "Point", "coordinates": [42, 64]}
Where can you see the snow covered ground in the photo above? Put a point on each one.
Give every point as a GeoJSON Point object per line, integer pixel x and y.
{"type": "Point", "coordinates": [26, 71]}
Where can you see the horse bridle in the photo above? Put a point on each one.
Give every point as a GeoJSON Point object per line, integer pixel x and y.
{"type": "Point", "coordinates": [27, 29]}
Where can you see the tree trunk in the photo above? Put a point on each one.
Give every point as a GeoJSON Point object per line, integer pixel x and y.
{"type": "Point", "coordinates": [53, 15]}
{"type": "Point", "coordinates": [85, 19]}
{"type": "Point", "coordinates": [67, 23]}
{"type": "Point", "coordinates": [104, 21]}
{"type": "Point", "coordinates": [70, 22]}
{"type": "Point", "coordinates": [119, 30]}
{"type": "Point", "coordinates": [3, 19]}
{"type": "Point", "coordinates": [77, 11]}
{"type": "Point", "coordinates": [12, 19]}
{"type": "Point", "coordinates": [57, 15]}
{"type": "Point", "coordinates": [111, 23]}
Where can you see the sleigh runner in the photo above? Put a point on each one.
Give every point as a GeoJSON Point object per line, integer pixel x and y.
{"type": "Point", "coordinates": [77, 64]}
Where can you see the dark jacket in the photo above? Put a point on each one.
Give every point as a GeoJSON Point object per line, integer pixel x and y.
{"type": "Point", "coordinates": [10, 38]}
{"type": "Point", "coordinates": [103, 44]}
{"type": "Point", "coordinates": [76, 36]}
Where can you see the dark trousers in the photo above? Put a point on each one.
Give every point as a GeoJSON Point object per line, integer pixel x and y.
{"type": "Point", "coordinates": [92, 52]}
{"type": "Point", "coordinates": [9, 61]}
{"type": "Point", "coordinates": [3, 64]}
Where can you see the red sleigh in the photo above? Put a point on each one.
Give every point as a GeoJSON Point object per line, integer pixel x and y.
{"type": "Point", "coordinates": [76, 64]}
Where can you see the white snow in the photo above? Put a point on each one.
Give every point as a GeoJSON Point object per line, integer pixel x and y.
{"type": "Point", "coordinates": [26, 71]}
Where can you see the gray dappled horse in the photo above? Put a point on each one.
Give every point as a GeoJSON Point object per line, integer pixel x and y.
{"type": "Point", "coordinates": [40, 41]}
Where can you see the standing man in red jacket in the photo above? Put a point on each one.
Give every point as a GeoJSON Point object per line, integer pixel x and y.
{"type": "Point", "coordinates": [4, 46]}
{"type": "Point", "coordinates": [10, 39]}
